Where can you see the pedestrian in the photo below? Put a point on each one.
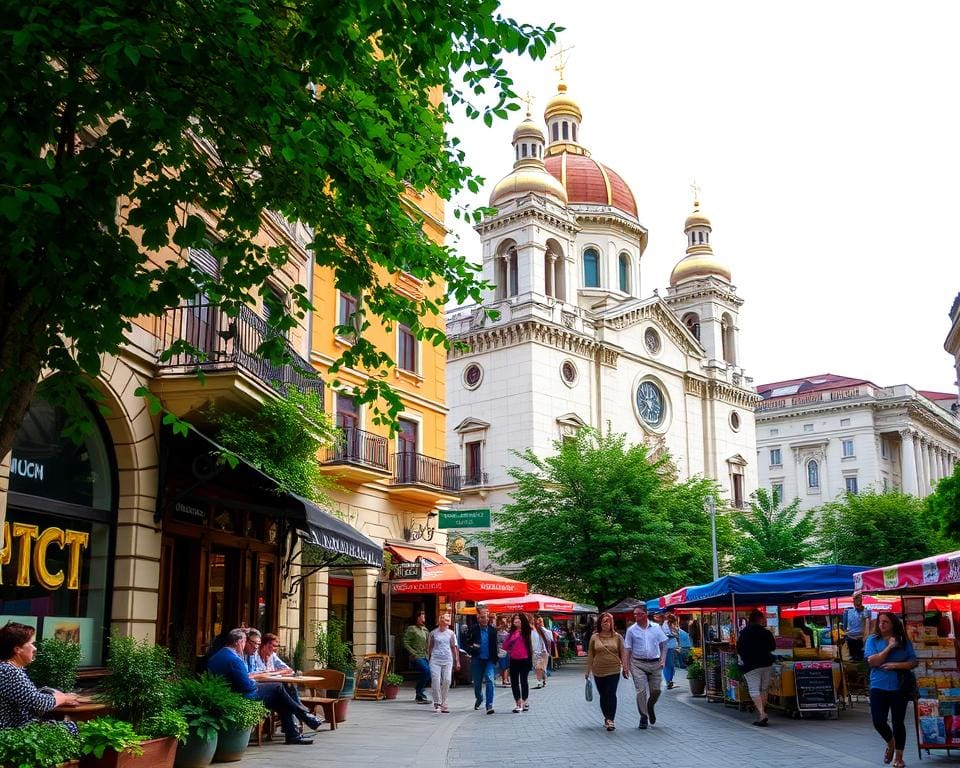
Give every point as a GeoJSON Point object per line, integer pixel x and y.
{"type": "Point", "coordinates": [444, 656]}
{"type": "Point", "coordinates": [756, 645]}
{"type": "Point", "coordinates": [644, 655]}
{"type": "Point", "coordinates": [672, 630]}
{"type": "Point", "coordinates": [685, 650]}
{"type": "Point", "coordinates": [415, 643]}
{"type": "Point", "coordinates": [519, 647]}
{"type": "Point", "coordinates": [856, 626]}
{"type": "Point", "coordinates": [541, 640]}
{"type": "Point", "coordinates": [504, 659]}
{"type": "Point", "coordinates": [605, 663]}
{"type": "Point", "coordinates": [891, 658]}
{"type": "Point", "coordinates": [483, 649]}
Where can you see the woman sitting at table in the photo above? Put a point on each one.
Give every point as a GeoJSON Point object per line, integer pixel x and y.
{"type": "Point", "coordinates": [20, 701]}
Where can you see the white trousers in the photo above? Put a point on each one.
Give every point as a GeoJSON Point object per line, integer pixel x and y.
{"type": "Point", "coordinates": [441, 673]}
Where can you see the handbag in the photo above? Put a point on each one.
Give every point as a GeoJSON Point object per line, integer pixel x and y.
{"type": "Point", "coordinates": [588, 690]}
{"type": "Point", "coordinates": [907, 683]}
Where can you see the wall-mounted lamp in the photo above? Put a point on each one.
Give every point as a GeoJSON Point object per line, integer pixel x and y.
{"type": "Point", "coordinates": [423, 531]}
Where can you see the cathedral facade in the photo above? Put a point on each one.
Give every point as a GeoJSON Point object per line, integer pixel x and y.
{"type": "Point", "coordinates": [577, 342]}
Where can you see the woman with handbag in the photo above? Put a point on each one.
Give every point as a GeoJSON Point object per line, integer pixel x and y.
{"type": "Point", "coordinates": [891, 658]}
{"type": "Point", "coordinates": [604, 662]}
{"type": "Point", "coordinates": [519, 648]}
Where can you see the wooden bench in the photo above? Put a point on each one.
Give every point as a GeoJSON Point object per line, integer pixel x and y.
{"type": "Point", "coordinates": [330, 681]}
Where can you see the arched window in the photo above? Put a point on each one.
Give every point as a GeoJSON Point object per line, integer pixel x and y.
{"type": "Point", "coordinates": [591, 268]}
{"type": "Point", "coordinates": [566, 130]}
{"type": "Point", "coordinates": [625, 272]}
{"type": "Point", "coordinates": [506, 272]}
{"type": "Point", "coordinates": [523, 150]}
{"type": "Point", "coordinates": [728, 340]}
{"type": "Point", "coordinates": [556, 131]}
{"type": "Point", "coordinates": [692, 321]}
{"type": "Point", "coordinates": [574, 128]}
{"type": "Point", "coordinates": [813, 474]}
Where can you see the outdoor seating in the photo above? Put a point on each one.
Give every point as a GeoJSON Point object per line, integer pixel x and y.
{"type": "Point", "coordinates": [330, 681]}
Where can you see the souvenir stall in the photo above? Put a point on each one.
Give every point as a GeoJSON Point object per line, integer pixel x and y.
{"type": "Point", "coordinates": [804, 680]}
{"type": "Point", "coordinates": [931, 627]}
{"type": "Point", "coordinates": [559, 615]}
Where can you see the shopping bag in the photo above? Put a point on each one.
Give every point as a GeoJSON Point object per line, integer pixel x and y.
{"type": "Point", "coordinates": [588, 690]}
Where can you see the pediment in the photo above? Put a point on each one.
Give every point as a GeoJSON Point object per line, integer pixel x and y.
{"type": "Point", "coordinates": [655, 310]}
{"type": "Point", "coordinates": [471, 424]}
{"type": "Point", "coordinates": [737, 460]}
{"type": "Point", "coordinates": [571, 420]}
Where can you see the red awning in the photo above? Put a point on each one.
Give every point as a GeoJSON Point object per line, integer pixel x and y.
{"type": "Point", "coordinates": [459, 583]}
{"type": "Point", "coordinates": [933, 575]}
{"type": "Point", "coordinates": [412, 554]}
{"type": "Point", "coordinates": [532, 603]}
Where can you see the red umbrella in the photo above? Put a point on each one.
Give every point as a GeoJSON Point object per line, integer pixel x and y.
{"type": "Point", "coordinates": [533, 603]}
{"type": "Point", "coordinates": [822, 607]}
{"type": "Point", "coordinates": [460, 583]}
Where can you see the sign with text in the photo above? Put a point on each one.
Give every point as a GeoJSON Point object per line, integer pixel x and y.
{"type": "Point", "coordinates": [408, 570]}
{"type": "Point", "coordinates": [814, 685]}
{"type": "Point", "coordinates": [464, 518]}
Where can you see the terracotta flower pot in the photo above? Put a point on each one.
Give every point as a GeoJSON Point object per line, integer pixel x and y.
{"type": "Point", "coordinates": [157, 753]}
{"type": "Point", "coordinates": [391, 691]}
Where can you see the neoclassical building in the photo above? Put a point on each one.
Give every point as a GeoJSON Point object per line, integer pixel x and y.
{"type": "Point", "coordinates": [822, 436]}
{"type": "Point", "coordinates": [952, 343]}
{"type": "Point", "coordinates": [579, 341]}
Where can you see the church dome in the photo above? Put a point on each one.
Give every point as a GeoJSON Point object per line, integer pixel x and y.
{"type": "Point", "coordinates": [524, 180]}
{"type": "Point", "coordinates": [586, 181]}
{"type": "Point", "coordinates": [696, 219]}
{"type": "Point", "coordinates": [699, 265]}
{"type": "Point", "coordinates": [528, 130]}
{"type": "Point", "coordinates": [562, 103]}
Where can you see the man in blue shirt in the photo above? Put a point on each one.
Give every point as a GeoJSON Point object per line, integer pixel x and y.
{"type": "Point", "coordinates": [229, 663]}
{"type": "Point", "coordinates": [482, 647]}
{"type": "Point", "coordinates": [856, 626]}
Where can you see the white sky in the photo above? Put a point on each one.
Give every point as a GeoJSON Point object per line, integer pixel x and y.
{"type": "Point", "coordinates": [824, 137]}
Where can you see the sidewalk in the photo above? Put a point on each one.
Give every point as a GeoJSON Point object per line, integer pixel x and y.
{"type": "Point", "coordinates": [564, 730]}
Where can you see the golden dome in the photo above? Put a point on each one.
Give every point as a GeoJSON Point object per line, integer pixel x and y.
{"type": "Point", "coordinates": [524, 180]}
{"type": "Point", "coordinates": [528, 130]}
{"type": "Point", "coordinates": [562, 103]}
{"type": "Point", "coordinates": [696, 219]}
{"type": "Point", "coordinates": [700, 262]}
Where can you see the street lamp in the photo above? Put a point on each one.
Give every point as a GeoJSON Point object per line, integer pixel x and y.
{"type": "Point", "coordinates": [710, 507]}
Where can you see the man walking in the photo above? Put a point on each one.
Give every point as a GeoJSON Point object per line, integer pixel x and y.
{"type": "Point", "coordinates": [856, 625]}
{"type": "Point", "coordinates": [482, 647]}
{"type": "Point", "coordinates": [756, 645]}
{"type": "Point", "coordinates": [644, 654]}
{"type": "Point", "coordinates": [415, 641]}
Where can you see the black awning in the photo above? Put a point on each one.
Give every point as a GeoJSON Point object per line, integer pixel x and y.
{"type": "Point", "coordinates": [335, 536]}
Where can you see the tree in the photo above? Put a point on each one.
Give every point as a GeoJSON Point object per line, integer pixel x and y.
{"type": "Point", "coordinates": [123, 120]}
{"type": "Point", "coordinates": [600, 520]}
{"type": "Point", "coordinates": [878, 529]}
{"type": "Point", "coordinates": [943, 505]}
{"type": "Point", "coordinates": [772, 537]}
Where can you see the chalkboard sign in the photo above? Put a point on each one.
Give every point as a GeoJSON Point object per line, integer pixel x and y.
{"type": "Point", "coordinates": [370, 674]}
{"type": "Point", "coordinates": [814, 685]}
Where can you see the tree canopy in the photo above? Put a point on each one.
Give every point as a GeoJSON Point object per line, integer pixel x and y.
{"type": "Point", "coordinates": [772, 537]}
{"type": "Point", "coordinates": [122, 119]}
{"type": "Point", "coordinates": [601, 520]}
{"type": "Point", "coordinates": [877, 528]}
{"type": "Point", "coordinates": [943, 505]}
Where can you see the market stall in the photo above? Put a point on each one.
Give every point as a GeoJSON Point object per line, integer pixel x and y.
{"type": "Point", "coordinates": [934, 637]}
{"type": "Point", "coordinates": [805, 680]}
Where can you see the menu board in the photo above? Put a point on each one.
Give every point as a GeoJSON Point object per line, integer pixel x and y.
{"type": "Point", "coordinates": [814, 685]}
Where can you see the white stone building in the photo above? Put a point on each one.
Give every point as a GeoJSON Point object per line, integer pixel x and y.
{"type": "Point", "coordinates": [822, 436]}
{"type": "Point", "coordinates": [952, 343]}
{"type": "Point", "coordinates": [577, 342]}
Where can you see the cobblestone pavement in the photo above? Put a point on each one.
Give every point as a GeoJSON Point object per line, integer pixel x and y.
{"type": "Point", "coordinates": [561, 729]}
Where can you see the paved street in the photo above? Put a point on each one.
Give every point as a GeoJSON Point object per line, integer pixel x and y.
{"type": "Point", "coordinates": [561, 729]}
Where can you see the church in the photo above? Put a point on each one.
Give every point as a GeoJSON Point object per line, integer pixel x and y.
{"type": "Point", "coordinates": [576, 341]}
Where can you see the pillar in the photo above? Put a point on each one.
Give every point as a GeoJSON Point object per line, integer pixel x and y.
{"type": "Point", "coordinates": [908, 463]}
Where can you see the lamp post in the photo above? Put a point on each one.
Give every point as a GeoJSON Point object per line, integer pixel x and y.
{"type": "Point", "coordinates": [710, 506]}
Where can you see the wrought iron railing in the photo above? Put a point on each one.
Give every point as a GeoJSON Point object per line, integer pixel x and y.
{"type": "Point", "coordinates": [473, 479]}
{"type": "Point", "coordinates": [416, 469]}
{"type": "Point", "coordinates": [231, 342]}
{"type": "Point", "coordinates": [355, 446]}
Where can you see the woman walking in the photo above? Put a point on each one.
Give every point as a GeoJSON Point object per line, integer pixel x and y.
{"type": "Point", "coordinates": [891, 658]}
{"type": "Point", "coordinates": [444, 657]}
{"type": "Point", "coordinates": [503, 660]}
{"type": "Point", "coordinates": [519, 647]}
{"type": "Point", "coordinates": [672, 630]}
{"type": "Point", "coordinates": [604, 662]}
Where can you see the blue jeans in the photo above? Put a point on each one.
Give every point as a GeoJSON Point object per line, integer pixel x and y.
{"type": "Point", "coordinates": [482, 670]}
{"type": "Point", "coordinates": [668, 668]}
{"type": "Point", "coordinates": [279, 701]}
{"type": "Point", "coordinates": [423, 667]}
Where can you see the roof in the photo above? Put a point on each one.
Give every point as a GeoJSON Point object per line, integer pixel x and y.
{"type": "Point", "coordinates": [938, 395]}
{"type": "Point", "coordinates": [816, 383]}
{"type": "Point", "coordinates": [589, 182]}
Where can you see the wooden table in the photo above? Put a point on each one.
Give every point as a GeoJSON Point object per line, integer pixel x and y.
{"type": "Point", "coordinates": [78, 713]}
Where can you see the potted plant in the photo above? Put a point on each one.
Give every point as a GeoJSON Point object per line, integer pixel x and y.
{"type": "Point", "coordinates": [209, 706]}
{"type": "Point", "coordinates": [240, 716]}
{"type": "Point", "coordinates": [139, 689]}
{"type": "Point", "coordinates": [104, 738]}
{"type": "Point", "coordinates": [391, 685]}
{"type": "Point", "coordinates": [331, 651]}
{"type": "Point", "coordinates": [38, 745]}
{"type": "Point", "coordinates": [696, 677]}
{"type": "Point", "coordinates": [55, 664]}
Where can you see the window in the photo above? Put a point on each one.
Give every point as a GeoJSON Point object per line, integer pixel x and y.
{"type": "Point", "coordinates": [851, 483]}
{"type": "Point", "coordinates": [556, 131]}
{"type": "Point", "coordinates": [273, 297]}
{"type": "Point", "coordinates": [573, 127]}
{"type": "Point", "coordinates": [738, 502]}
{"type": "Point", "coordinates": [776, 490]}
{"type": "Point", "coordinates": [566, 130]}
{"type": "Point", "coordinates": [473, 463]}
{"type": "Point", "coordinates": [813, 474]}
{"type": "Point", "coordinates": [886, 485]}
{"type": "Point", "coordinates": [847, 448]}
{"type": "Point", "coordinates": [808, 427]}
{"type": "Point", "coordinates": [883, 449]}
{"type": "Point", "coordinates": [692, 321]}
{"type": "Point", "coordinates": [347, 314]}
{"type": "Point", "coordinates": [591, 268]}
{"type": "Point", "coordinates": [407, 352]}
{"type": "Point", "coordinates": [348, 412]}
{"type": "Point", "coordinates": [776, 459]}
{"type": "Point", "coordinates": [406, 461]}
{"type": "Point", "coordinates": [625, 273]}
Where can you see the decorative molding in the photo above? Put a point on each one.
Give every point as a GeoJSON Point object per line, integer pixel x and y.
{"type": "Point", "coordinates": [532, 206]}
{"type": "Point", "coordinates": [657, 312]}
{"type": "Point", "coordinates": [514, 334]}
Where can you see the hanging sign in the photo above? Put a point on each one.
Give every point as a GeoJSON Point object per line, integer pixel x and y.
{"type": "Point", "coordinates": [412, 570]}
{"type": "Point", "coordinates": [464, 518]}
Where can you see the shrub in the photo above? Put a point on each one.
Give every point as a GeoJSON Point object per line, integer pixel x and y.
{"type": "Point", "coordinates": [695, 671]}
{"type": "Point", "coordinates": [242, 714]}
{"type": "Point", "coordinates": [331, 651]}
{"type": "Point", "coordinates": [168, 722]}
{"type": "Point", "coordinates": [55, 664]}
{"type": "Point", "coordinates": [38, 745]}
{"type": "Point", "coordinates": [103, 733]}
{"type": "Point", "coordinates": [208, 704]}
{"type": "Point", "coordinates": [138, 685]}
{"type": "Point", "coordinates": [393, 679]}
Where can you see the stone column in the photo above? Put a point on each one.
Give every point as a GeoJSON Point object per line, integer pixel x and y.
{"type": "Point", "coordinates": [925, 464]}
{"type": "Point", "coordinates": [908, 463]}
{"type": "Point", "coordinates": [551, 261]}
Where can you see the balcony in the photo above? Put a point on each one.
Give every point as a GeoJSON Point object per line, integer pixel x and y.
{"type": "Point", "coordinates": [357, 455]}
{"type": "Point", "coordinates": [233, 370]}
{"type": "Point", "coordinates": [473, 480]}
{"type": "Point", "coordinates": [424, 478]}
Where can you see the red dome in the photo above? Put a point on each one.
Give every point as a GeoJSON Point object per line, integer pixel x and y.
{"type": "Point", "coordinates": [588, 181]}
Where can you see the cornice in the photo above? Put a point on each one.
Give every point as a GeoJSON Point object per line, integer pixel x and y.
{"type": "Point", "coordinates": [514, 334]}
{"type": "Point", "coordinates": [720, 390]}
{"type": "Point", "coordinates": [530, 207]}
{"type": "Point", "coordinates": [705, 290]}
{"type": "Point", "coordinates": [607, 217]}
{"type": "Point", "coordinates": [665, 319]}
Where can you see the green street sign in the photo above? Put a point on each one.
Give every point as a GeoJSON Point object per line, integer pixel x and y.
{"type": "Point", "coordinates": [464, 518]}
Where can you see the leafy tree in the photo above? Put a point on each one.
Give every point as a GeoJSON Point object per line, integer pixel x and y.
{"type": "Point", "coordinates": [943, 505]}
{"type": "Point", "coordinates": [122, 120]}
{"type": "Point", "coordinates": [878, 528]}
{"type": "Point", "coordinates": [600, 520]}
{"type": "Point", "coordinates": [772, 537]}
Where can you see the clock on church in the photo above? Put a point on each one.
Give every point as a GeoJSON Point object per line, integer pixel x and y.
{"type": "Point", "coordinates": [650, 404]}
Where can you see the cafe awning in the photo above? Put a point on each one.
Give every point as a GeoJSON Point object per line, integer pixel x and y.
{"type": "Point", "coordinates": [458, 582]}
{"type": "Point", "coordinates": [532, 603]}
{"type": "Point", "coordinates": [932, 575]}
{"type": "Point", "coordinates": [341, 540]}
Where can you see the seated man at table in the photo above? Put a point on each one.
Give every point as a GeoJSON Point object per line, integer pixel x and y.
{"type": "Point", "coordinates": [229, 662]}
{"type": "Point", "coordinates": [266, 667]}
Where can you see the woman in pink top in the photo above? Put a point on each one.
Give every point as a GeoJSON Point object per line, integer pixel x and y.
{"type": "Point", "coordinates": [519, 648]}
